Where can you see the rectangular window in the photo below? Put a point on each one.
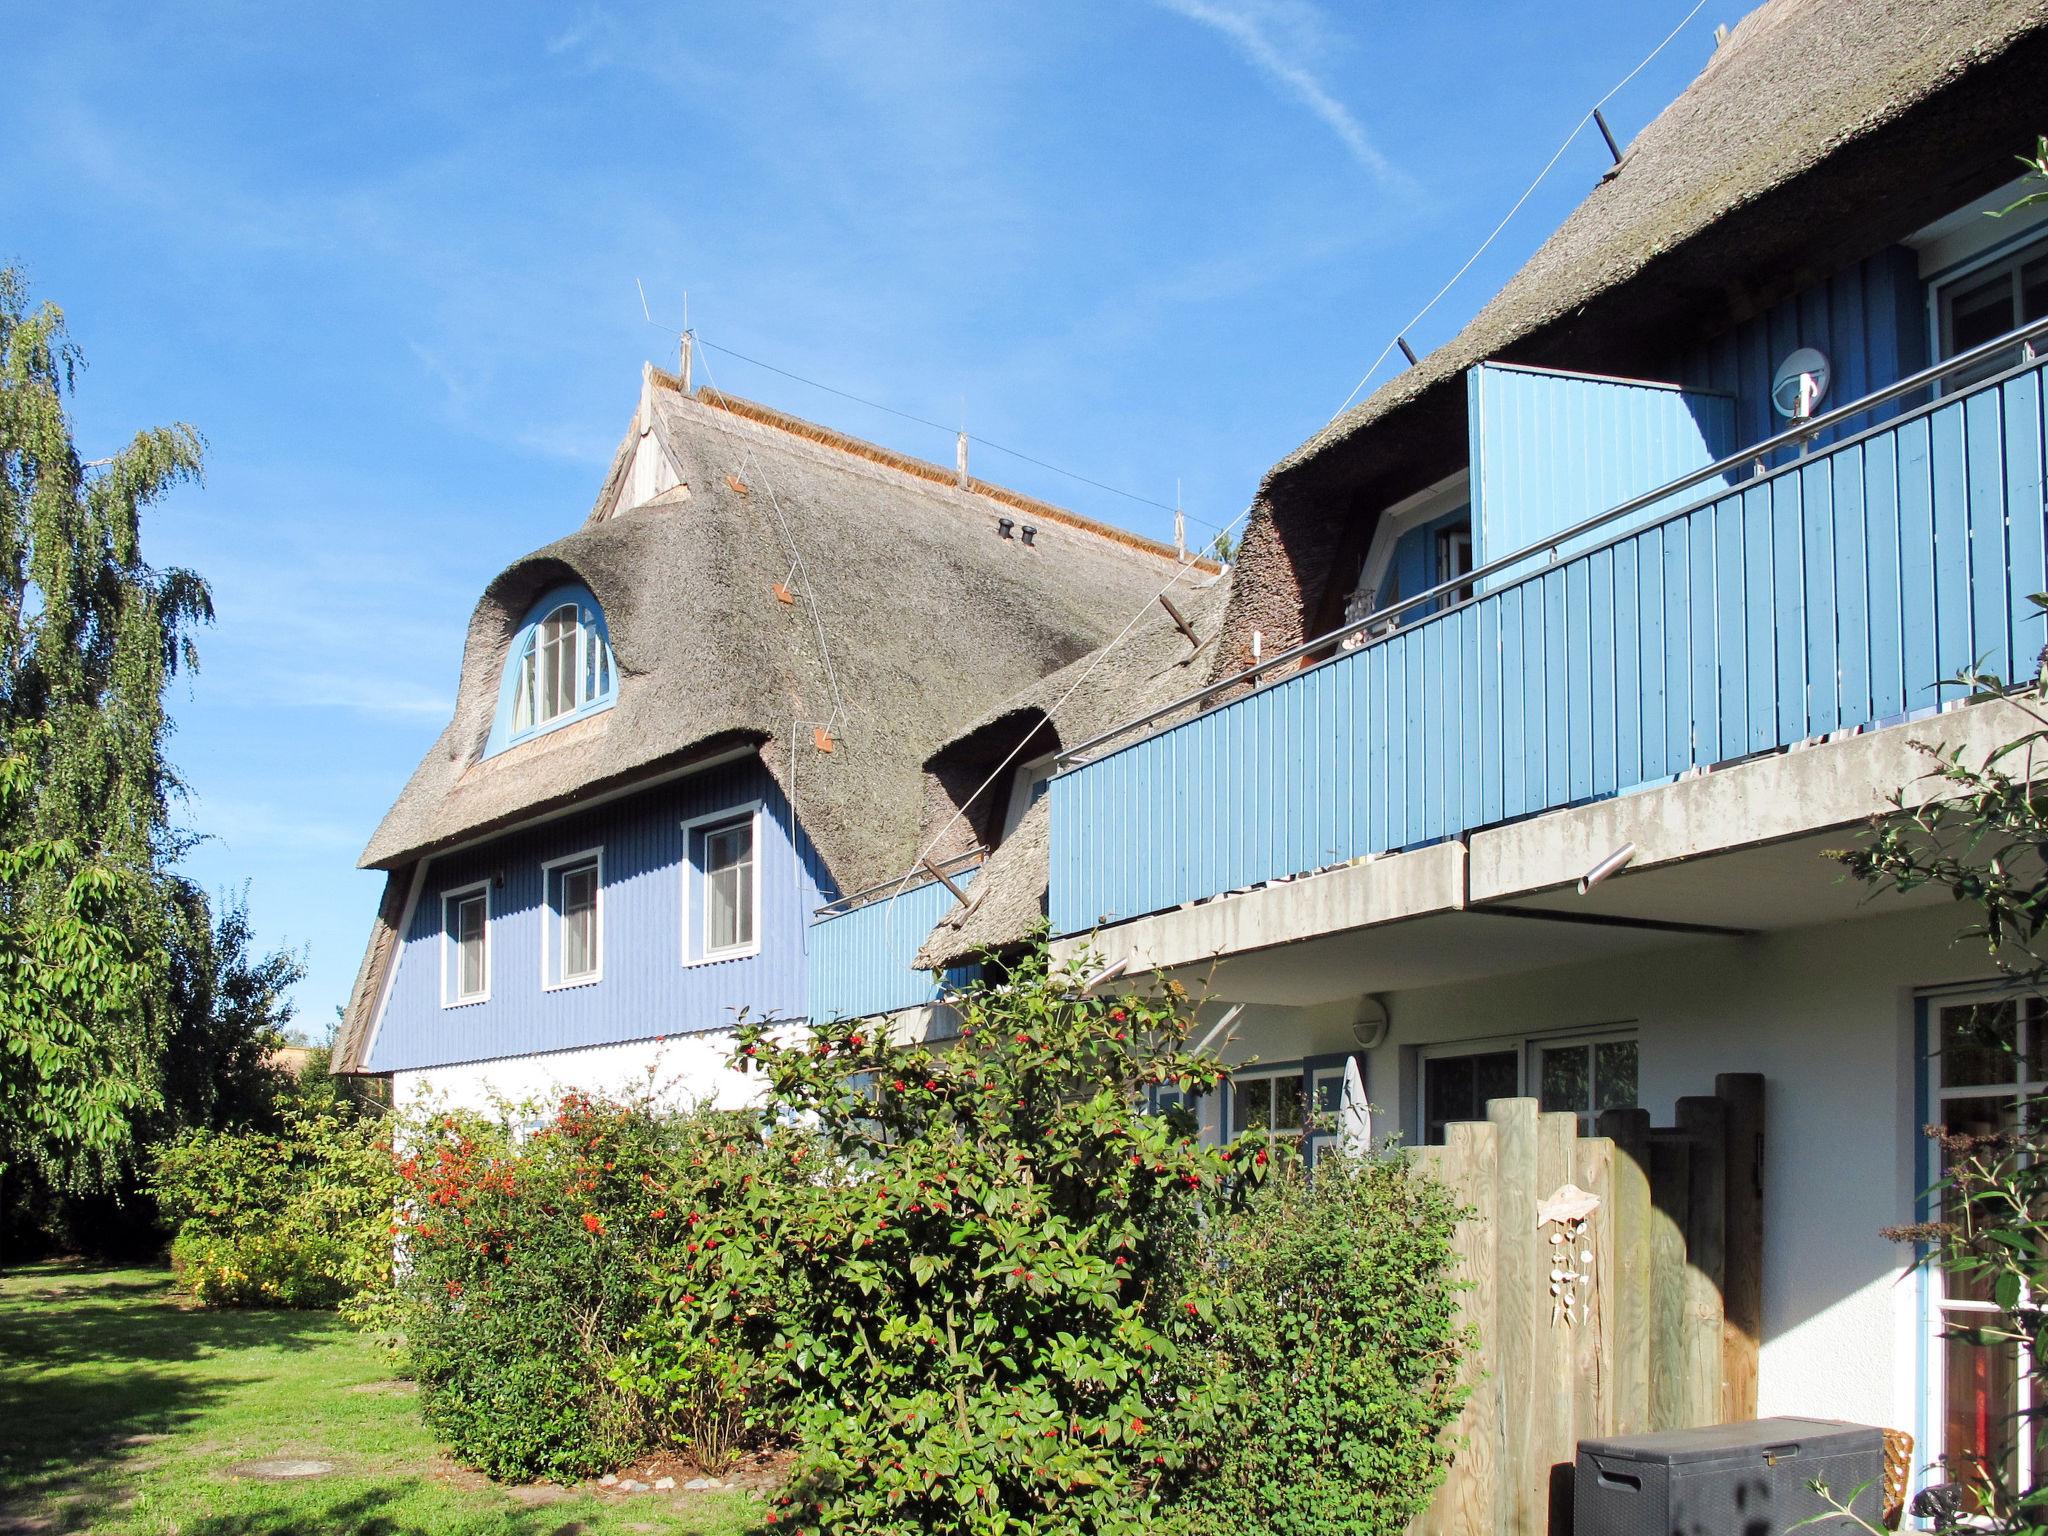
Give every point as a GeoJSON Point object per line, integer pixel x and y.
{"type": "Point", "coordinates": [1990, 1059]}
{"type": "Point", "coordinates": [572, 951]}
{"type": "Point", "coordinates": [466, 945]}
{"type": "Point", "coordinates": [723, 902]}
{"type": "Point", "coordinates": [1983, 305]}
{"type": "Point", "coordinates": [1583, 1075]}
{"type": "Point", "coordinates": [1271, 1102]}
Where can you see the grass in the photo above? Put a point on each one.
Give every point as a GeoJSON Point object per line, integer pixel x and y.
{"type": "Point", "coordinates": [125, 1411]}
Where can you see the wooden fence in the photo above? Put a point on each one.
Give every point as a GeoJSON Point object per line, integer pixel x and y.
{"type": "Point", "coordinates": [1656, 1327]}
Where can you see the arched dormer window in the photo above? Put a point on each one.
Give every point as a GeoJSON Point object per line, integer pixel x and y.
{"type": "Point", "coordinates": [559, 669]}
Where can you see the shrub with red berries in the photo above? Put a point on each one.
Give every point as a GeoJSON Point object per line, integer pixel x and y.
{"type": "Point", "coordinates": [994, 1258]}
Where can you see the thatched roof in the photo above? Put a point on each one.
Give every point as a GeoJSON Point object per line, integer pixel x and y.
{"type": "Point", "coordinates": [928, 616]}
{"type": "Point", "coordinates": [1819, 131]}
{"type": "Point", "coordinates": [1153, 665]}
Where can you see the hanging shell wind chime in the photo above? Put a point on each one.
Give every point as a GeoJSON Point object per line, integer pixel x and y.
{"type": "Point", "coordinates": [1568, 1215]}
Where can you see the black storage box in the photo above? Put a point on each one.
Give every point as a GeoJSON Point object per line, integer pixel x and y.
{"type": "Point", "coordinates": [1748, 1479]}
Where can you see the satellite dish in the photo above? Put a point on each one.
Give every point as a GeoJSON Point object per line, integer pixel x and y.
{"type": "Point", "coordinates": [1369, 1029]}
{"type": "Point", "coordinates": [1801, 381]}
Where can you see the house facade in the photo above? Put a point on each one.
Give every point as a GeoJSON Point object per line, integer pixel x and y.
{"type": "Point", "coordinates": [1548, 676]}
{"type": "Point", "coordinates": [685, 727]}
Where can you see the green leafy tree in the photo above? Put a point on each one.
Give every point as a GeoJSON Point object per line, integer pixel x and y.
{"type": "Point", "coordinates": [90, 635]}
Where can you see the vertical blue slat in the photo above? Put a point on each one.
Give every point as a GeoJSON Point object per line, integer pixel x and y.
{"type": "Point", "coordinates": [1918, 651]}
{"type": "Point", "coordinates": [2025, 516]}
{"type": "Point", "coordinates": [1884, 538]}
{"type": "Point", "coordinates": [1821, 662]}
{"type": "Point", "coordinates": [1983, 476]}
{"type": "Point", "coordinates": [1951, 547]}
{"type": "Point", "coordinates": [1851, 586]}
{"type": "Point", "coordinates": [1783, 616]}
{"type": "Point", "coordinates": [1554, 785]}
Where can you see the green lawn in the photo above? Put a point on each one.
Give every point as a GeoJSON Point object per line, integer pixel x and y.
{"type": "Point", "coordinates": [123, 1410]}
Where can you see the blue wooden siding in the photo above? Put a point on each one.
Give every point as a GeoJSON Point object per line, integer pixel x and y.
{"type": "Point", "coordinates": [1833, 592]}
{"type": "Point", "coordinates": [646, 988]}
{"type": "Point", "coordinates": [1553, 449]}
{"type": "Point", "coordinates": [1414, 565]}
{"type": "Point", "coordinates": [861, 960]}
{"type": "Point", "coordinates": [1871, 321]}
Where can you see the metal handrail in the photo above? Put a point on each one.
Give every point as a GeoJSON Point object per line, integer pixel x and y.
{"type": "Point", "coordinates": [1803, 432]}
{"type": "Point", "coordinates": [854, 900]}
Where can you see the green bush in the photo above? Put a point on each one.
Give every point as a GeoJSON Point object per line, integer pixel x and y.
{"type": "Point", "coordinates": [532, 1269]}
{"type": "Point", "coordinates": [990, 1240]}
{"type": "Point", "coordinates": [299, 1218]}
{"type": "Point", "coordinates": [1335, 1354]}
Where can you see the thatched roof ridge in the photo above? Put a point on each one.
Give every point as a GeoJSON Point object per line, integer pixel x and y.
{"type": "Point", "coordinates": [929, 616]}
{"type": "Point", "coordinates": [1819, 131]}
{"type": "Point", "coordinates": [1795, 83]}
{"type": "Point", "coordinates": [1153, 665]}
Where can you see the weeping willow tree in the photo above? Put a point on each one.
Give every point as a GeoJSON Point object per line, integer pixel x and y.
{"type": "Point", "coordinates": [90, 636]}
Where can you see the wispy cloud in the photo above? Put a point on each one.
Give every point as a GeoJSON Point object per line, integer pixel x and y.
{"type": "Point", "coordinates": [1276, 39]}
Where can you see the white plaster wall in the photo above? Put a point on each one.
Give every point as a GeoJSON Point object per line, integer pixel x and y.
{"type": "Point", "coordinates": [1826, 1015]}
{"type": "Point", "coordinates": [681, 1070]}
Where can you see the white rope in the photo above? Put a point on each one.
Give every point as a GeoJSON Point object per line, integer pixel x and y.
{"type": "Point", "coordinates": [1527, 192]}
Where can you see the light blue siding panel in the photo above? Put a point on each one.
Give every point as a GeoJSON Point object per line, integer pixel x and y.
{"type": "Point", "coordinates": [2024, 519]}
{"type": "Point", "coordinates": [1554, 449]}
{"type": "Point", "coordinates": [1785, 620]}
{"type": "Point", "coordinates": [861, 960]}
{"type": "Point", "coordinates": [1850, 587]}
{"type": "Point", "coordinates": [1810, 599]}
{"type": "Point", "coordinates": [1883, 537]}
{"type": "Point", "coordinates": [1983, 479]}
{"type": "Point", "coordinates": [1916, 566]}
{"type": "Point", "coordinates": [1953, 650]}
{"type": "Point", "coordinates": [646, 990]}
{"type": "Point", "coordinates": [1818, 647]}
{"type": "Point", "coordinates": [1627, 696]}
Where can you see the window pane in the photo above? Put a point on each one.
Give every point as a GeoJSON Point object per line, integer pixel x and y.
{"type": "Point", "coordinates": [1458, 1088]}
{"type": "Point", "coordinates": [1257, 1098]}
{"type": "Point", "coordinates": [1567, 1078]}
{"type": "Point", "coordinates": [1978, 1045]}
{"type": "Point", "coordinates": [1981, 1393]}
{"type": "Point", "coordinates": [522, 706]}
{"type": "Point", "coordinates": [579, 922]}
{"type": "Point", "coordinates": [721, 910]}
{"type": "Point", "coordinates": [2035, 1042]}
{"type": "Point", "coordinates": [729, 887]}
{"type": "Point", "coordinates": [1286, 1103]}
{"type": "Point", "coordinates": [1329, 1093]}
{"type": "Point", "coordinates": [2034, 290]}
{"type": "Point", "coordinates": [1971, 1117]}
{"type": "Point", "coordinates": [1614, 1075]}
{"type": "Point", "coordinates": [470, 940]}
{"type": "Point", "coordinates": [1980, 312]}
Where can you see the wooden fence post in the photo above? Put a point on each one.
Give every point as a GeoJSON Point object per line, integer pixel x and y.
{"type": "Point", "coordinates": [1629, 1302]}
{"type": "Point", "coordinates": [1670, 1338]}
{"type": "Point", "coordinates": [1522, 1323]}
{"type": "Point", "coordinates": [1742, 1288]}
{"type": "Point", "coordinates": [1705, 1120]}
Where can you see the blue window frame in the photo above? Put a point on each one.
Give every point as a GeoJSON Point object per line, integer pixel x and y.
{"type": "Point", "coordinates": [558, 670]}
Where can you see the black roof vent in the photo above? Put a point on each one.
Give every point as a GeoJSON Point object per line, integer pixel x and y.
{"type": "Point", "coordinates": [1029, 533]}
{"type": "Point", "coordinates": [1004, 525]}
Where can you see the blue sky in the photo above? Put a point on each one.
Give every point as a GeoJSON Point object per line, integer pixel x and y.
{"type": "Point", "coordinates": [384, 257]}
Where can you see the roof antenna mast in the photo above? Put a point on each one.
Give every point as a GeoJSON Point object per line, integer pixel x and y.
{"type": "Point", "coordinates": [1180, 524]}
{"type": "Point", "coordinates": [687, 342]}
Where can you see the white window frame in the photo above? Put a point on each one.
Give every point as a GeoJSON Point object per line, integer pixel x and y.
{"type": "Point", "coordinates": [2022, 248]}
{"type": "Point", "coordinates": [1425, 506]}
{"type": "Point", "coordinates": [696, 909]}
{"type": "Point", "coordinates": [1027, 777]}
{"type": "Point", "coordinates": [1528, 1083]}
{"type": "Point", "coordinates": [1935, 1305]}
{"type": "Point", "coordinates": [1294, 1075]}
{"type": "Point", "coordinates": [552, 978]}
{"type": "Point", "coordinates": [451, 949]}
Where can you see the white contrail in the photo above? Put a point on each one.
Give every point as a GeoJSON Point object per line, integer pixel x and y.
{"type": "Point", "coordinates": [1247, 31]}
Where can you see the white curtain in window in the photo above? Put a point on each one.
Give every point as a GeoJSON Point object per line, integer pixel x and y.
{"type": "Point", "coordinates": [578, 918]}
{"type": "Point", "coordinates": [729, 887]}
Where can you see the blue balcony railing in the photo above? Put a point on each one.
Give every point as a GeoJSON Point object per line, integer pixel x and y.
{"type": "Point", "coordinates": [1831, 593]}
{"type": "Point", "coordinates": [862, 949]}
